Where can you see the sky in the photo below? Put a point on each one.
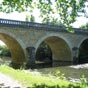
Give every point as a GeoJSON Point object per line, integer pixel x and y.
{"type": "Point", "coordinates": [2, 43]}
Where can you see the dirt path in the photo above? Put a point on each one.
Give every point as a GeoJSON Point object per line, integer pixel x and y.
{"type": "Point", "coordinates": [8, 82]}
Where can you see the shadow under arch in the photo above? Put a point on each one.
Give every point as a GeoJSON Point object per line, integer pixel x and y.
{"type": "Point", "coordinates": [61, 52]}
{"type": "Point", "coordinates": [17, 53]}
{"type": "Point", "coordinates": [43, 56]}
{"type": "Point", "coordinates": [83, 52]}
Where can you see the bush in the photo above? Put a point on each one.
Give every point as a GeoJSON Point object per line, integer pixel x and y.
{"type": "Point", "coordinates": [4, 51]}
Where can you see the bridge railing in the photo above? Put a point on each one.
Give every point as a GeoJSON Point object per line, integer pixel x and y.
{"type": "Point", "coordinates": [28, 24]}
{"type": "Point", "coordinates": [12, 22]}
{"type": "Point", "coordinates": [23, 24]}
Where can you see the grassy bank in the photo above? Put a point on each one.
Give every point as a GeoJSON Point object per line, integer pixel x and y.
{"type": "Point", "coordinates": [29, 80]}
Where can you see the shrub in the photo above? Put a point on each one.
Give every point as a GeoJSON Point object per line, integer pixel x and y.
{"type": "Point", "coordinates": [4, 51]}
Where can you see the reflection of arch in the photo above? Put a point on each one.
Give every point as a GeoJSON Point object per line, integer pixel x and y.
{"type": "Point", "coordinates": [60, 50]}
{"type": "Point", "coordinates": [83, 52]}
{"type": "Point", "coordinates": [16, 50]}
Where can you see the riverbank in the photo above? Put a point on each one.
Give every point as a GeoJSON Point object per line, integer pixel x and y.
{"type": "Point", "coordinates": [31, 80]}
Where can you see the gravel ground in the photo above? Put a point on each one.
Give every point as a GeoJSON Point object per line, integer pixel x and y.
{"type": "Point", "coordinates": [8, 82]}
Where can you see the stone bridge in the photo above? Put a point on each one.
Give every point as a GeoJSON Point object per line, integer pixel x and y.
{"type": "Point", "coordinates": [24, 38]}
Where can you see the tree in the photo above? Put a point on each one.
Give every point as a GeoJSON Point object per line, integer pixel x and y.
{"type": "Point", "coordinates": [85, 27]}
{"type": "Point", "coordinates": [30, 18]}
{"type": "Point", "coordinates": [50, 10]}
{"type": "Point", "coordinates": [4, 51]}
{"type": "Point", "coordinates": [86, 9]}
{"type": "Point", "coordinates": [44, 53]}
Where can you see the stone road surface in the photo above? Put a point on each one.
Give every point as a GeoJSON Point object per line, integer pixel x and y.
{"type": "Point", "coordinates": [8, 82]}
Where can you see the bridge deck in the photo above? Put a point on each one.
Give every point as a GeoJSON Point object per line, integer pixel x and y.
{"type": "Point", "coordinates": [37, 26]}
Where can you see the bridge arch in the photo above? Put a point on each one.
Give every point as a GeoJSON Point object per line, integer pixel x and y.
{"type": "Point", "coordinates": [83, 51]}
{"type": "Point", "coordinates": [61, 50]}
{"type": "Point", "coordinates": [16, 50]}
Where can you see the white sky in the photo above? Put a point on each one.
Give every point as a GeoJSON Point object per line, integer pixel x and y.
{"type": "Point", "coordinates": [80, 21]}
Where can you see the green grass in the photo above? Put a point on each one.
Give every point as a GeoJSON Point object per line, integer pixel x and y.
{"type": "Point", "coordinates": [29, 80]}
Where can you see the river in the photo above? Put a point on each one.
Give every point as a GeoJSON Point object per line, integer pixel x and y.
{"type": "Point", "coordinates": [70, 72]}
{"type": "Point", "coordinates": [73, 72]}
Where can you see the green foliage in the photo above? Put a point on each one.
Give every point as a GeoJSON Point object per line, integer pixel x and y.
{"type": "Point", "coordinates": [44, 52]}
{"type": "Point", "coordinates": [4, 51]}
{"type": "Point", "coordinates": [85, 27]}
{"type": "Point", "coordinates": [51, 11]}
{"type": "Point", "coordinates": [83, 83]}
{"type": "Point", "coordinates": [45, 86]}
{"type": "Point", "coordinates": [30, 18]}
{"type": "Point", "coordinates": [15, 5]}
{"type": "Point", "coordinates": [59, 74]}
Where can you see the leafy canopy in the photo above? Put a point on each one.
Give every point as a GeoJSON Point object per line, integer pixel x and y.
{"type": "Point", "coordinates": [51, 11]}
{"type": "Point", "coordinates": [85, 27]}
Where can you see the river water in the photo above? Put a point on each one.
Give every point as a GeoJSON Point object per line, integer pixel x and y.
{"type": "Point", "coordinates": [73, 72]}
{"type": "Point", "coordinates": [70, 72]}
